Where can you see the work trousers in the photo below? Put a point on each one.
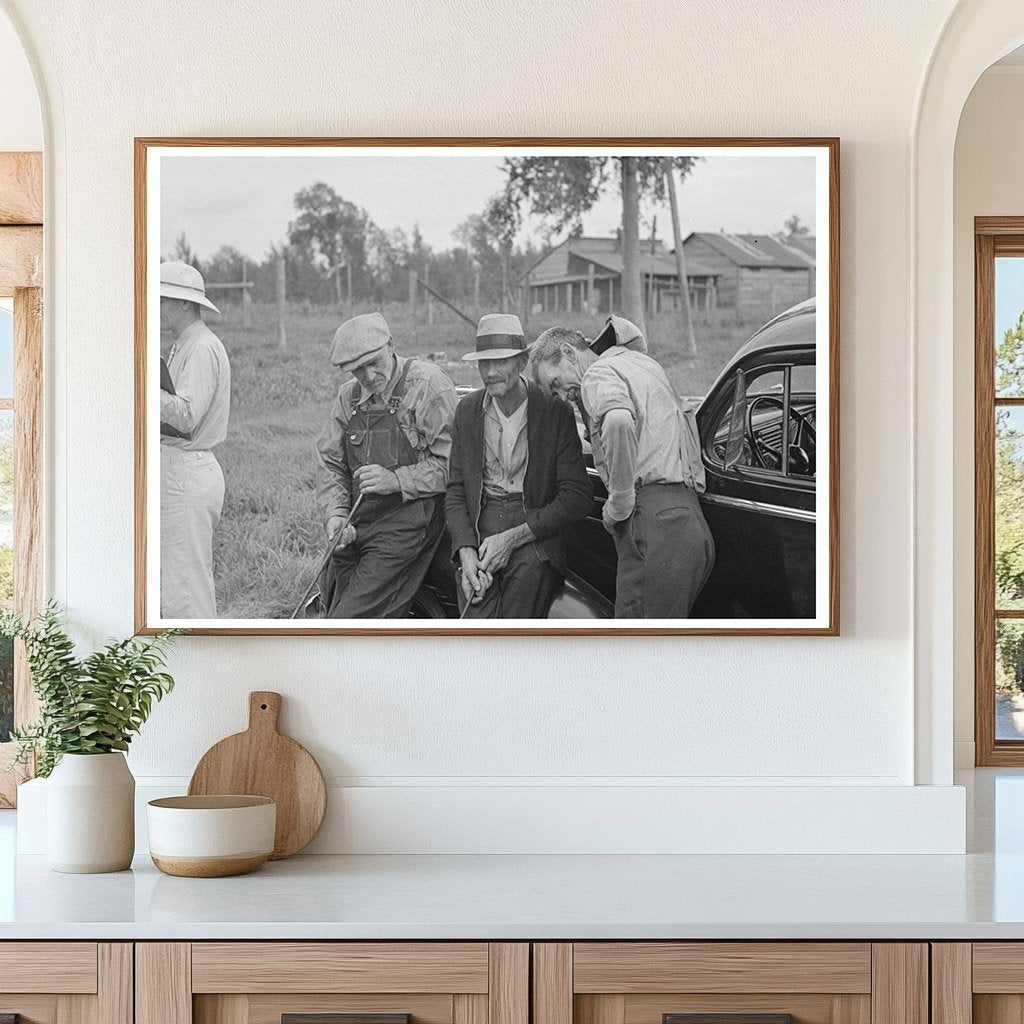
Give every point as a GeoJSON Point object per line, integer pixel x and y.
{"type": "Point", "coordinates": [378, 574]}
{"type": "Point", "coordinates": [525, 588]}
{"type": "Point", "coordinates": [191, 499]}
{"type": "Point", "coordinates": [665, 554]}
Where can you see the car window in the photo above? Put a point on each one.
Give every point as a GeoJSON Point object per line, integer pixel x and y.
{"type": "Point", "coordinates": [779, 430]}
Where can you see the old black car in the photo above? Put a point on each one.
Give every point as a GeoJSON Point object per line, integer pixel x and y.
{"type": "Point", "coordinates": [758, 435]}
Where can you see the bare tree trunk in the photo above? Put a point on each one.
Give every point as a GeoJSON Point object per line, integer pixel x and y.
{"type": "Point", "coordinates": [632, 292]}
{"type": "Point", "coordinates": [689, 340]}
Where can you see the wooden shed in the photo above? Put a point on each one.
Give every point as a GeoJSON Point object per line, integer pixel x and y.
{"type": "Point", "coordinates": [584, 274]}
{"type": "Point", "coordinates": [754, 275]}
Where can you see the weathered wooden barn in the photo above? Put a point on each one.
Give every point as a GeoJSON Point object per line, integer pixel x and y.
{"type": "Point", "coordinates": [752, 276]}
{"type": "Point", "coordinates": [585, 275]}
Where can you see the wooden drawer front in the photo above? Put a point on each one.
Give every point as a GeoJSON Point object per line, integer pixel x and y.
{"type": "Point", "coordinates": [309, 967]}
{"type": "Point", "coordinates": [56, 967]}
{"type": "Point", "coordinates": [998, 967]}
{"type": "Point", "coordinates": [721, 967]}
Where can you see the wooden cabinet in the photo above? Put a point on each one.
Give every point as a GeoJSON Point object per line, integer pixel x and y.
{"type": "Point", "coordinates": [66, 982]}
{"type": "Point", "coordinates": [979, 982]}
{"type": "Point", "coordinates": [757, 982]}
{"type": "Point", "coordinates": [305, 982]}
{"type": "Point", "coordinates": [512, 983]}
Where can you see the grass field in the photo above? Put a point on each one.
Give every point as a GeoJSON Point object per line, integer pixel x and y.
{"type": "Point", "coordinates": [271, 537]}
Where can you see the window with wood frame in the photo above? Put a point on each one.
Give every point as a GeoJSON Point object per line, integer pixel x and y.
{"type": "Point", "coordinates": [21, 364]}
{"type": "Point", "coordinates": [999, 490]}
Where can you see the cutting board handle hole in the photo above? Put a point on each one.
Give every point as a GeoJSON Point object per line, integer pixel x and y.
{"type": "Point", "coordinates": [263, 707]}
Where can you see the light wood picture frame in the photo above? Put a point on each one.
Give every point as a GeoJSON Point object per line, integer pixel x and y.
{"type": "Point", "coordinates": [776, 489]}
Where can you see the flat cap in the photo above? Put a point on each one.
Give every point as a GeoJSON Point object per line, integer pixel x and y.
{"type": "Point", "coordinates": [358, 338]}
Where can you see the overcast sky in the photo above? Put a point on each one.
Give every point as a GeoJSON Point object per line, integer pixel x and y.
{"type": "Point", "coordinates": [246, 201]}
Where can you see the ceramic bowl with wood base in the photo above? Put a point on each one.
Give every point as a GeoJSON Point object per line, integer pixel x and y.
{"type": "Point", "coordinates": [211, 836]}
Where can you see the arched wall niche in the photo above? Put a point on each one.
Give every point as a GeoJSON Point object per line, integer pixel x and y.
{"type": "Point", "coordinates": [976, 34]}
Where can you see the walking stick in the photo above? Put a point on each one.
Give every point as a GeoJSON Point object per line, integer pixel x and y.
{"type": "Point", "coordinates": [327, 556]}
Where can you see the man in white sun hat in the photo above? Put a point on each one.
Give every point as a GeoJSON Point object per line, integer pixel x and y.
{"type": "Point", "coordinates": [518, 479]}
{"type": "Point", "coordinates": [193, 421]}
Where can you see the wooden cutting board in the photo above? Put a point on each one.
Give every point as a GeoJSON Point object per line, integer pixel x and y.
{"type": "Point", "coordinates": [262, 762]}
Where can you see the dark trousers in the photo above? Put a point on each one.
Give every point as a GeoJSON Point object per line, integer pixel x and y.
{"type": "Point", "coordinates": [378, 575]}
{"type": "Point", "coordinates": [525, 588]}
{"type": "Point", "coordinates": [665, 552]}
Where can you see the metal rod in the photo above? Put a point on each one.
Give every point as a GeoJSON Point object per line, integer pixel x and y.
{"type": "Point", "coordinates": [451, 305]}
{"type": "Point", "coordinates": [327, 556]}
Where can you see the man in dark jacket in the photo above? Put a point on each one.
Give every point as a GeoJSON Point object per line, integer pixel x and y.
{"type": "Point", "coordinates": [517, 480]}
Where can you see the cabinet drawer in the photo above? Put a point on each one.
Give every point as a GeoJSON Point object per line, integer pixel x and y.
{"type": "Point", "coordinates": [340, 967]}
{"type": "Point", "coordinates": [332, 983]}
{"type": "Point", "coordinates": [66, 982]}
{"type": "Point", "coordinates": [730, 983]}
{"type": "Point", "coordinates": [634, 967]}
{"type": "Point", "coordinates": [65, 967]}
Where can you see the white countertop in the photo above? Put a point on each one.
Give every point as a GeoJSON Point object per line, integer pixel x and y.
{"type": "Point", "coordinates": [977, 896]}
{"type": "Point", "coordinates": [517, 897]}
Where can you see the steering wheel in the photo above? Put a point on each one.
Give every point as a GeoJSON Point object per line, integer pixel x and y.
{"type": "Point", "coordinates": [767, 457]}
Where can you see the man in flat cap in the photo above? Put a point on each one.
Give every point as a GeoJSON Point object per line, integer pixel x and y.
{"type": "Point", "coordinates": [647, 451]}
{"type": "Point", "coordinates": [194, 401]}
{"type": "Point", "coordinates": [518, 479]}
{"type": "Point", "coordinates": [387, 441]}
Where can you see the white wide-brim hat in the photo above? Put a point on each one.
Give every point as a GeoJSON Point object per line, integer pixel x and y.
{"type": "Point", "coordinates": [498, 336]}
{"type": "Point", "coordinates": [180, 280]}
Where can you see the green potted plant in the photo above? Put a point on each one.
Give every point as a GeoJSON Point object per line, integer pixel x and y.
{"type": "Point", "coordinates": [90, 708]}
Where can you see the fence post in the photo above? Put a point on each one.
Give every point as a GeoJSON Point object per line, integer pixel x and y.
{"type": "Point", "coordinates": [246, 296]}
{"type": "Point", "coordinates": [282, 340]}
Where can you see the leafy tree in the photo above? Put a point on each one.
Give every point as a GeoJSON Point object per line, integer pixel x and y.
{"type": "Point", "coordinates": [183, 251]}
{"type": "Point", "coordinates": [560, 190]}
{"type": "Point", "coordinates": [335, 230]}
{"type": "Point", "coordinates": [793, 227]}
{"type": "Point", "coordinates": [1010, 361]}
{"type": "Point", "coordinates": [1009, 506]}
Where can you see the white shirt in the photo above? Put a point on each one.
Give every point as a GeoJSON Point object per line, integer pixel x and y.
{"type": "Point", "coordinates": [505, 448]}
{"type": "Point", "coordinates": [199, 368]}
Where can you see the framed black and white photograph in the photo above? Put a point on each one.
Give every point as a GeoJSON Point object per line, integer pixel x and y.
{"type": "Point", "coordinates": [444, 386]}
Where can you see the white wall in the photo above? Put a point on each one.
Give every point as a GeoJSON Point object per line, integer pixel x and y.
{"type": "Point", "coordinates": [987, 182]}
{"type": "Point", "coordinates": [428, 716]}
{"type": "Point", "coordinates": [21, 127]}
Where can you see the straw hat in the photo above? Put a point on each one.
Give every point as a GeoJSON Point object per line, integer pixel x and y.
{"type": "Point", "coordinates": [498, 336]}
{"type": "Point", "coordinates": [181, 281]}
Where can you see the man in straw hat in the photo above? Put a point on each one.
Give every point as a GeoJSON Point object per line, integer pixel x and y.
{"type": "Point", "coordinates": [647, 452]}
{"type": "Point", "coordinates": [518, 479]}
{"type": "Point", "coordinates": [386, 446]}
{"type": "Point", "coordinates": [194, 420]}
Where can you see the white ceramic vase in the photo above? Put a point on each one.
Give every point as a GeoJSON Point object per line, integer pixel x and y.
{"type": "Point", "coordinates": [90, 814]}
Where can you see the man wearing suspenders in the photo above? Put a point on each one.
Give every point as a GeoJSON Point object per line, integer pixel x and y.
{"type": "Point", "coordinates": [387, 440]}
{"type": "Point", "coordinates": [647, 450]}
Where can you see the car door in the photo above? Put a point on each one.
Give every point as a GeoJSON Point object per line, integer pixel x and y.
{"type": "Point", "coordinates": [758, 441]}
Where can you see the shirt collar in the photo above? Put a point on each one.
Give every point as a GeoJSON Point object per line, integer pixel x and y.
{"type": "Point", "coordinates": [365, 395]}
{"type": "Point", "coordinates": [193, 330]}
